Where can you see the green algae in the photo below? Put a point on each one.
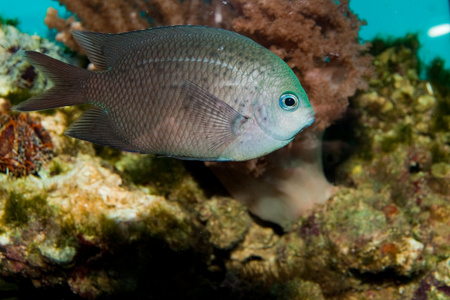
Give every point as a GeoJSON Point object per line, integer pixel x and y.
{"type": "Point", "coordinates": [227, 221]}
{"type": "Point", "coordinates": [437, 74]}
{"type": "Point", "coordinates": [404, 47]}
{"type": "Point", "coordinates": [410, 41]}
{"type": "Point", "coordinates": [358, 217]}
{"type": "Point", "coordinates": [165, 222]}
{"type": "Point", "coordinates": [297, 289]}
{"type": "Point", "coordinates": [401, 134]}
{"type": "Point", "coordinates": [161, 175]}
{"type": "Point", "coordinates": [19, 209]}
{"type": "Point", "coordinates": [57, 167]}
{"type": "Point", "coordinates": [175, 227]}
{"type": "Point", "coordinates": [440, 170]}
{"type": "Point", "coordinates": [8, 21]}
{"type": "Point", "coordinates": [402, 111]}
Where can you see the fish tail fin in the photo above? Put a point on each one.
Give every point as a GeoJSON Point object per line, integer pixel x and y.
{"type": "Point", "coordinates": [66, 78]}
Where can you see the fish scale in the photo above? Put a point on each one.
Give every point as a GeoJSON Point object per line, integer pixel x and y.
{"type": "Point", "coordinates": [189, 92]}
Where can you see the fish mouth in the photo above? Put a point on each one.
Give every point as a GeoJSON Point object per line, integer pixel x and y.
{"type": "Point", "coordinates": [307, 121]}
{"type": "Point", "coordinates": [310, 120]}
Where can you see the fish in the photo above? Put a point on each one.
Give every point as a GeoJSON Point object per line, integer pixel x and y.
{"type": "Point", "coordinates": [188, 92]}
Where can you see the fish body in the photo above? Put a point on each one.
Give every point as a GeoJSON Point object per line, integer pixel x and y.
{"type": "Point", "coordinates": [189, 92]}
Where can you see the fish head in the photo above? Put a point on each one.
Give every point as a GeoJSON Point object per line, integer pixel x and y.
{"type": "Point", "coordinates": [283, 109]}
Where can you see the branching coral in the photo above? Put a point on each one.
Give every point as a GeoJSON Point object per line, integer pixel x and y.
{"type": "Point", "coordinates": [101, 16]}
{"type": "Point", "coordinates": [112, 16]}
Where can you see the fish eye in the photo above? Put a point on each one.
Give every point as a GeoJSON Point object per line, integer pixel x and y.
{"type": "Point", "coordinates": [289, 102]}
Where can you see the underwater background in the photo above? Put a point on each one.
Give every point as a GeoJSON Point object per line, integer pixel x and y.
{"type": "Point", "coordinates": [79, 221]}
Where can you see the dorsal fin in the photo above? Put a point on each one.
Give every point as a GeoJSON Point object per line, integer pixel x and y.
{"type": "Point", "coordinates": [103, 49]}
{"type": "Point", "coordinates": [98, 48]}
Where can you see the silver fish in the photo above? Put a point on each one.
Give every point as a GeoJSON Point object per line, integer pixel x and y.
{"type": "Point", "coordinates": [189, 92]}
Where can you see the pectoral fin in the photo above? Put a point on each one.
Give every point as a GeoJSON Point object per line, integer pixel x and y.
{"type": "Point", "coordinates": [211, 117]}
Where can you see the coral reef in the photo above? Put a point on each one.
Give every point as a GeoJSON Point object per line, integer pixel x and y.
{"type": "Point", "coordinates": [436, 284]}
{"type": "Point", "coordinates": [382, 234]}
{"type": "Point", "coordinates": [326, 55]}
{"type": "Point", "coordinates": [100, 224]}
{"type": "Point", "coordinates": [97, 223]}
{"type": "Point", "coordinates": [73, 218]}
{"type": "Point", "coordinates": [25, 145]}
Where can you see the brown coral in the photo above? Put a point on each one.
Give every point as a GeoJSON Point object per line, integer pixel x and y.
{"type": "Point", "coordinates": [112, 16]}
{"type": "Point", "coordinates": [319, 41]}
{"type": "Point", "coordinates": [119, 16]}
{"type": "Point", "coordinates": [24, 144]}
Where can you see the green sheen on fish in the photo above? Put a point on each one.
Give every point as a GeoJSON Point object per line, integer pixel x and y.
{"type": "Point", "coordinates": [189, 92]}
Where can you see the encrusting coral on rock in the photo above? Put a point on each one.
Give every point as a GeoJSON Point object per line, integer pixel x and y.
{"type": "Point", "coordinates": [18, 79]}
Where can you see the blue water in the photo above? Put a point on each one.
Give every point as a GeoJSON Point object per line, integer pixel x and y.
{"type": "Point", "coordinates": [396, 18]}
{"type": "Point", "coordinates": [385, 18]}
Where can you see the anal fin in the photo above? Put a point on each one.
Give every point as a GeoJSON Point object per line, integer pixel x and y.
{"type": "Point", "coordinates": [94, 126]}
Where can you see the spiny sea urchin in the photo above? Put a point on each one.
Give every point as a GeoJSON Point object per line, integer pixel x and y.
{"type": "Point", "coordinates": [24, 144]}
